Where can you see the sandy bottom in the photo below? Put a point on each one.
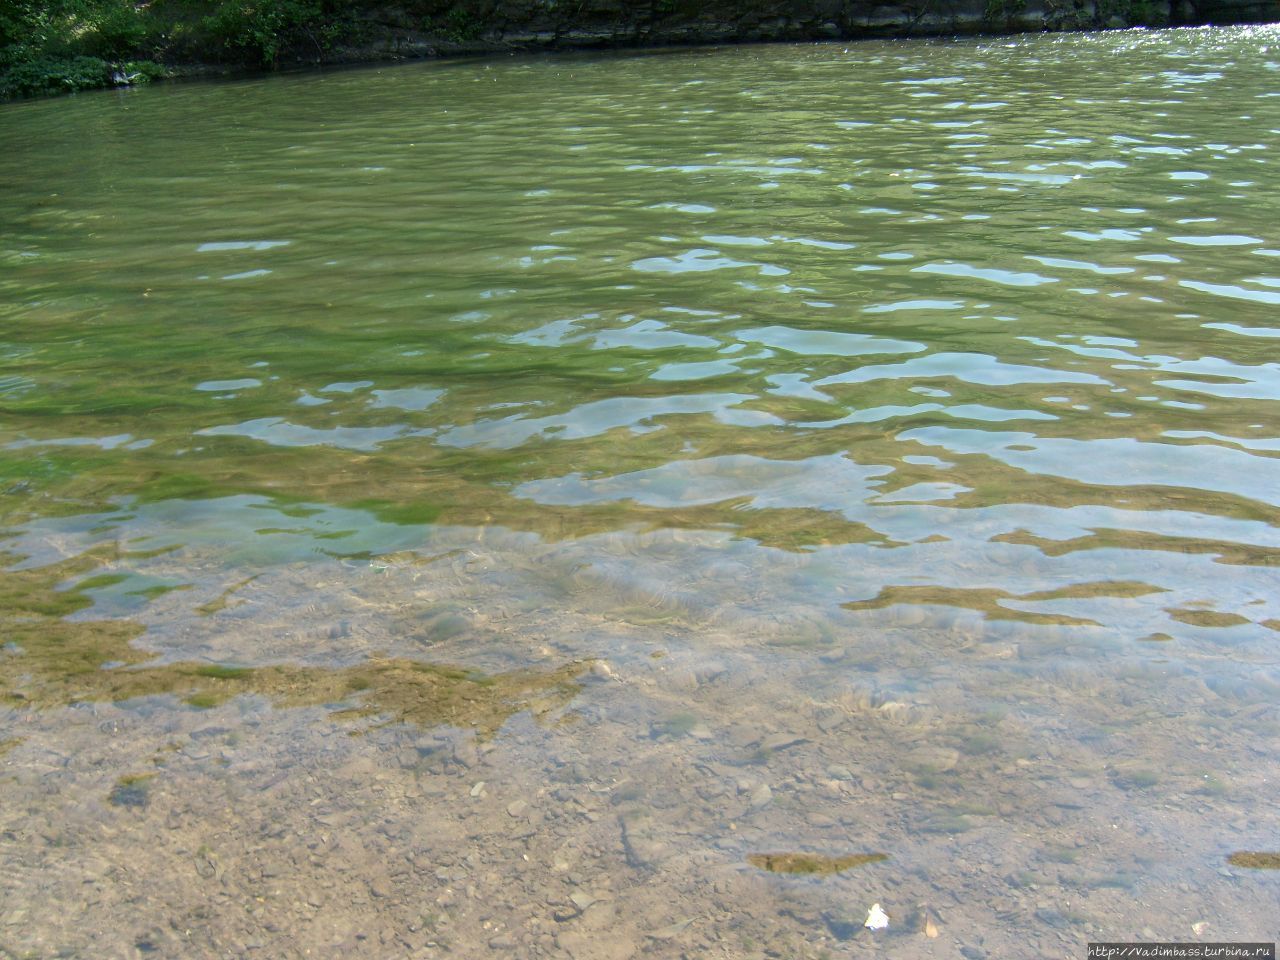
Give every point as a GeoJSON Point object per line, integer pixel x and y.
{"type": "Point", "coordinates": [1032, 787]}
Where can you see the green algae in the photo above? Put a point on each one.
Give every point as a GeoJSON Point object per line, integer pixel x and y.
{"type": "Point", "coordinates": [131, 791]}
{"type": "Point", "coordinates": [57, 662]}
{"type": "Point", "coordinates": [1224, 552]}
{"type": "Point", "coordinates": [222, 672]}
{"type": "Point", "coordinates": [980, 743]}
{"type": "Point", "coordinates": [157, 590]}
{"type": "Point", "coordinates": [987, 600]}
{"type": "Point", "coordinates": [101, 581]}
{"type": "Point", "coordinates": [222, 600]}
{"type": "Point", "coordinates": [1255, 860]}
{"type": "Point", "coordinates": [1136, 778]}
{"type": "Point", "coordinates": [812, 864]}
{"type": "Point", "coordinates": [947, 823]}
{"type": "Point", "coordinates": [675, 725]}
{"type": "Point", "coordinates": [1207, 618]}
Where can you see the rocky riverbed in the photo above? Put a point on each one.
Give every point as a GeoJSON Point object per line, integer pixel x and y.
{"type": "Point", "coordinates": [632, 812]}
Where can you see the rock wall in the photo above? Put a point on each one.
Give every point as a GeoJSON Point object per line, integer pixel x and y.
{"type": "Point", "coordinates": [428, 27]}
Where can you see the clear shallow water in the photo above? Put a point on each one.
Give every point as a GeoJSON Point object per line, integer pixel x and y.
{"type": "Point", "coordinates": [893, 427]}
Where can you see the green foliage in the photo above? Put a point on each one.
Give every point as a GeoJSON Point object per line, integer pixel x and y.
{"type": "Point", "coordinates": [55, 75]}
{"type": "Point", "coordinates": [144, 71]}
{"type": "Point", "coordinates": [260, 31]}
{"type": "Point", "coordinates": [55, 46]}
{"type": "Point", "coordinates": [116, 30]}
{"type": "Point", "coordinates": [1003, 14]}
{"type": "Point", "coordinates": [60, 46]}
{"type": "Point", "coordinates": [458, 23]}
{"type": "Point", "coordinates": [108, 29]}
{"type": "Point", "coordinates": [1133, 13]}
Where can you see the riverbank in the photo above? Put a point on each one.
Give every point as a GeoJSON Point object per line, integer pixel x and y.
{"type": "Point", "coordinates": [70, 45]}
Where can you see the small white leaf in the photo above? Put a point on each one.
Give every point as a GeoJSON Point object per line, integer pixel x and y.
{"type": "Point", "coordinates": [877, 919]}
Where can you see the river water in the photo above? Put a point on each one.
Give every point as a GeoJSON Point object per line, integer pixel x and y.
{"type": "Point", "coordinates": [649, 505]}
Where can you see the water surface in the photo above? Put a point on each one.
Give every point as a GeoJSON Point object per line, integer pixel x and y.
{"type": "Point", "coordinates": [499, 506]}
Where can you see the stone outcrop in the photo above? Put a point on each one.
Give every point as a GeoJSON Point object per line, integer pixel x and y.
{"type": "Point", "coordinates": [487, 25]}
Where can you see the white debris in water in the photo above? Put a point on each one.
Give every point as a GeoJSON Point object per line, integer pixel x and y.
{"type": "Point", "coordinates": [877, 919]}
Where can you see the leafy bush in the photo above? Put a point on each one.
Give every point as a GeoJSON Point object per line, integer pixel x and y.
{"type": "Point", "coordinates": [259, 31]}
{"type": "Point", "coordinates": [70, 74]}
{"type": "Point", "coordinates": [60, 46]}
{"type": "Point", "coordinates": [1003, 14]}
{"type": "Point", "coordinates": [117, 30]}
{"type": "Point", "coordinates": [49, 46]}
{"type": "Point", "coordinates": [55, 75]}
{"type": "Point", "coordinates": [457, 23]}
